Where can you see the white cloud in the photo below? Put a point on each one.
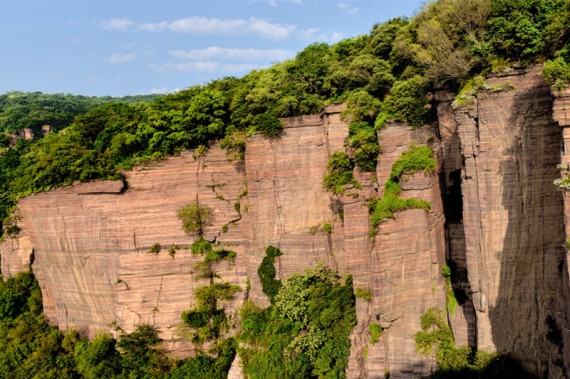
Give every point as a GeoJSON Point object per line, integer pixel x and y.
{"type": "Point", "coordinates": [207, 26]}
{"type": "Point", "coordinates": [163, 90]}
{"type": "Point", "coordinates": [317, 35]}
{"type": "Point", "coordinates": [204, 67]}
{"type": "Point", "coordinates": [121, 58]}
{"type": "Point", "coordinates": [269, 30]}
{"type": "Point", "coordinates": [196, 25]}
{"type": "Point", "coordinates": [234, 54]}
{"type": "Point", "coordinates": [117, 24]}
{"type": "Point", "coordinates": [345, 7]}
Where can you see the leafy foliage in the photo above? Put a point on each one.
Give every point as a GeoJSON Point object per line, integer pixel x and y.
{"type": "Point", "coordinates": [451, 301]}
{"type": "Point", "coordinates": [557, 73]}
{"type": "Point", "coordinates": [266, 273]}
{"type": "Point", "coordinates": [194, 218]}
{"type": "Point", "coordinates": [206, 318]}
{"type": "Point", "coordinates": [339, 173]}
{"type": "Point", "coordinates": [375, 332]}
{"type": "Point", "coordinates": [363, 140]}
{"type": "Point", "coordinates": [408, 101]}
{"type": "Point", "coordinates": [436, 338]}
{"type": "Point", "coordinates": [29, 347]}
{"type": "Point", "coordinates": [417, 158]}
{"type": "Point", "coordinates": [363, 293]}
{"type": "Point", "coordinates": [19, 110]}
{"type": "Point", "coordinates": [155, 248]}
{"type": "Point", "coordinates": [305, 333]}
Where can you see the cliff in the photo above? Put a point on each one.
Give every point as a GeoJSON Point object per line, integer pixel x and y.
{"type": "Point", "coordinates": [495, 216]}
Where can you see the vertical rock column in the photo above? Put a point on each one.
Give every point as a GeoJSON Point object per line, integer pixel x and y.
{"type": "Point", "coordinates": [513, 219]}
{"type": "Point", "coordinates": [561, 114]}
{"type": "Point", "coordinates": [463, 321]}
{"type": "Point", "coordinates": [406, 260]}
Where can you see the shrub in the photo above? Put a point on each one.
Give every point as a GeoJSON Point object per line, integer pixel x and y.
{"type": "Point", "coordinates": [194, 218]}
{"type": "Point", "coordinates": [13, 230]}
{"type": "Point", "coordinates": [268, 125]}
{"type": "Point", "coordinates": [384, 208]}
{"type": "Point", "coordinates": [363, 293]}
{"type": "Point", "coordinates": [200, 246]}
{"type": "Point", "coordinates": [234, 143]}
{"type": "Point", "coordinates": [155, 249]}
{"type": "Point", "coordinates": [557, 73]}
{"type": "Point", "coordinates": [451, 301]}
{"type": "Point", "coordinates": [305, 333]}
{"type": "Point", "coordinates": [375, 332]}
{"type": "Point", "coordinates": [363, 139]}
{"type": "Point", "coordinates": [267, 273]}
{"type": "Point", "coordinates": [172, 250]}
{"type": "Point", "coordinates": [206, 318]}
{"type": "Point", "coordinates": [408, 101]}
{"type": "Point", "coordinates": [339, 173]}
{"type": "Point", "coordinates": [327, 228]}
{"type": "Point", "coordinates": [416, 158]}
{"type": "Point", "coordinates": [200, 151]}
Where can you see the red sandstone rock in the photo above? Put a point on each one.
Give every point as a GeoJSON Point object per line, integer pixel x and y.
{"type": "Point", "coordinates": [504, 232]}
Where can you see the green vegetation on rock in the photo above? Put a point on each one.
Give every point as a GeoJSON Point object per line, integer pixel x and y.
{"type": "Point", "coordinates": [416, 158]}
{"type": "Point", "coordinates": [305, 332]}
{"type": "Point", "coordinates": [30, 347]}
{"type": "Point", "coordinates": [339, 174]}
{"type": "Point", "coordinates": [267, 273]}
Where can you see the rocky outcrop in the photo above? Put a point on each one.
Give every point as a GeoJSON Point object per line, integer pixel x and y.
{"type": "Point", "coordinates": [495, 218]}
{"type": "Point", "coordinates": [513, 220]}
{"type": "Point", "coordinates": [91, 240]}
{"type": "Point", "coordinates": [91, 244]}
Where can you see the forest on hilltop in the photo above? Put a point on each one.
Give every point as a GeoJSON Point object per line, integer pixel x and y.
{"type": "Point", "coordinates": [385, 74]}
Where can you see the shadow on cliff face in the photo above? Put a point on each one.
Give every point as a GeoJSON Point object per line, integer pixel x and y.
{"type": "Point", "coordinates": [528, 315]}
{"type": "Point", "coordinates": [502, 367]}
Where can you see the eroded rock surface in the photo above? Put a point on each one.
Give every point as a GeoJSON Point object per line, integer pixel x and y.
{"type": "Point", "coordinates": [513, 219]}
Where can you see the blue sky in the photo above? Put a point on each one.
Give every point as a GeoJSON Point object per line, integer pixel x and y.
{"type": "Point", "coordinates": [127, 47]}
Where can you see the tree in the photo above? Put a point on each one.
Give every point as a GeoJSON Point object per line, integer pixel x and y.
{"type": "Point", "coordinates": [194, 218]}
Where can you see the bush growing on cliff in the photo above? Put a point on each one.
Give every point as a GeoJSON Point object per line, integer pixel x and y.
{"type": "Point", "coordinates": [417, 158]}
{"type": "Point", "coordinates": [207, 320]}
{"type": "Point", "coordinates": [194, 218]}
{"type": "Point", "coordinates": [155, 248]}
{"type": "Point", "coordinates": [268, 125]}
{"type": "Point", "coordinates": [339, 173]}
{"type": "Point", "coordinates": [305, 333]}
{"type": "Point", "coordinates": [557, 73]}
{"type": "Point", "coordinates": [362, 139]}
{"type": "Point", "coordinates": [266, 273]}
{"type": "Point", "coordinates": [436, 339]}
{"type": "Point", "coordinates": [30, 347]}
{"type": "Point", "coordinates": [384, 208]}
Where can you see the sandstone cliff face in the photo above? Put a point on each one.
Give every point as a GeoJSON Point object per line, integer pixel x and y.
{"type": "Point", "coordinates": [495, 216]}
{"type": "Point", "coordinates": [90, 240]}
{"type": "Point", "coordinates": [561, 114]}
{"type": "Point", "coordinates": [513, 221]}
